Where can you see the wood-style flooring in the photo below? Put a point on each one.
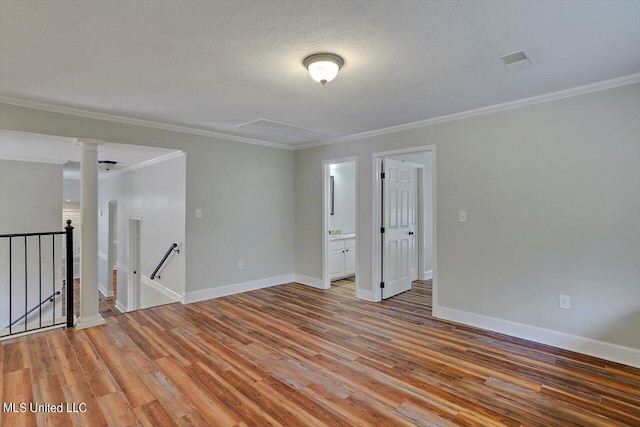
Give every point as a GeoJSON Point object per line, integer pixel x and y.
{"type": "Point", "coordinates": [292, 355]}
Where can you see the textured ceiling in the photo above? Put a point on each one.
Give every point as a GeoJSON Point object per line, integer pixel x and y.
{"type": "Point", "coordinates": [217, 64]}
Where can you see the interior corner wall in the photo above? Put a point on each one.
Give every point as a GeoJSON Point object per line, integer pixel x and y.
{"type": "Point", "coordinates": [156, 195]}
{"type": "Point", "coordinates": [245, 192]}
{"type": "Point", "coordinates": [552, 194]}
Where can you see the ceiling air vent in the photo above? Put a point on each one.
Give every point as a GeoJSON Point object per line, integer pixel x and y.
{"type": "Point", "coordinates": [517, 61]}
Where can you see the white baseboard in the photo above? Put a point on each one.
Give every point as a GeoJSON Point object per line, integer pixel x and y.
{"type": "Point", "coordinates": [365, 294]}
{"type": "Point", "coordinates": [156, 286]}
{"type": "Point", "coordinates": [96, 320]}
{"type": "Point", "coordinates": [121, 307]}
{"type": "Point", "coordinates": [428, 275]}
{"type": "Point", "coordinates": [121, 266]}
{"type": "Point", "coordinates": [314, 282]}
{"type": "Point", "coordinates": [103, 290]}
{"type": "Point", "coordinates": [614, 352]}
{"type": "Point", "coordinates": [237, 288]}
{"type": "Point", "coordinates": [4, 332]}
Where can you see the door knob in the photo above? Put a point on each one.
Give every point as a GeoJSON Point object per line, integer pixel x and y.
{"type": "Point", "coordinates": [411, 233]}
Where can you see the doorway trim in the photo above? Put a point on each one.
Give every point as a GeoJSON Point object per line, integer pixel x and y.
{"type": "Point", "coordinates": [112, 210]}
{"type": "Point", "coordinates": [376, 238]}
{"type": "Point", "coordinates": [326, 277]}
{"type": "Point", "coordinates": [134, 261]}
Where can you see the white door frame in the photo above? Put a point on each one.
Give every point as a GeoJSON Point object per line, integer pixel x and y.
{"type": "Point", "coordinates": [134, 261]}
{"type": "Point", "coordinates": [111, 253]}
{"type": "Point", "coordinates": [376, 209]}
{"type": "Point", "coordinates": [326, 276]}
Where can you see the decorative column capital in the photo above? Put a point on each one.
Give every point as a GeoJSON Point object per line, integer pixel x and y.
{"type": "Point", "coordinates": [89, 144]}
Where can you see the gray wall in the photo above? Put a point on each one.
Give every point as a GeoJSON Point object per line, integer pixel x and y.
{"type": "Point", "coordinates": [27, 206]}
{"type": "Point", "coordinates": [245, 192]}
{"type": "Point", "coordinates": [552, 193]}
{"type": "Point", "coordinates": [71, 189]}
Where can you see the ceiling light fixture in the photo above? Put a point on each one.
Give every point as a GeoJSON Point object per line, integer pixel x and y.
{"type": "Point", "coordinates": [107, 164]}
{"type": "Point", "coordinates": [323, 67]}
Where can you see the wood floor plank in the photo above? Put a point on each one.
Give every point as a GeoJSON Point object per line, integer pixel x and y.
{"type": "Point", "coordinates": [298, 356]}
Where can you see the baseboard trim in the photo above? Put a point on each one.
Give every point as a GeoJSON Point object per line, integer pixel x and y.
{"type": "Point", "coordinates": [428, 275]}
{"type": "Point", "coordinates": [121, 307]}
{"type": "Point", "coordinates": [237, 288]}
{"type": "Point", "coordinates": [314, 282]}
{"type": "Point", "coordinates": [121, 266]}
{"type": "Point", "coordinates": [365, 294]}
{"type": "Point", "coordinates": [103, 291]}
{"type": "Point", "coordinates": [31, 331]}
{"type": "Point", "coordinates": [96, 320]}
{"type": "Point", "coordinates": [156, 286]}
{"type": "Point", "coordinates": [613, 352]}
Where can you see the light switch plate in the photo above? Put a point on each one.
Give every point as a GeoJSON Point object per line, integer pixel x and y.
{"type": "Point", "coordinates": [565, 302]}
{"type": "Point", "coordinates": [198, 213]}
{"type": "Point", "coordinates": [462, 216]}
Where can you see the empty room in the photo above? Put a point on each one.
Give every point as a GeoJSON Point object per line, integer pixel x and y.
{"type": "Point", "coordinates": [320, 213]}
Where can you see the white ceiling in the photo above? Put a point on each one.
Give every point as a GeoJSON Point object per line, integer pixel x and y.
{"type": "Point", "coordinates": [33, 147]}
{"type": "Point", "coordinates": [215, 65]}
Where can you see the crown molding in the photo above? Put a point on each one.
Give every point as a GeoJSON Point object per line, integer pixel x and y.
{"type": "Point", "coordinates": [31, 159]}
{"type": "Point", "coordinates": [80, 112]}
{"type": "Point", "coordinates": [144, 164]}
{"type": "Point", "coordinates": [539, 99]}
{"type": "Point", "coordinates": [511, 105]}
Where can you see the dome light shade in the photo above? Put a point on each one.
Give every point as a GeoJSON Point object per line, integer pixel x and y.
{"type": "Point", "coordinates": [107, 164]}
{"type": "Point", "coordinates": [323, 67]}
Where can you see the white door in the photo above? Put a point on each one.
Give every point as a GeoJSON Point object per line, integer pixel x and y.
{"type": "Point", "coordinates": [399, 227]}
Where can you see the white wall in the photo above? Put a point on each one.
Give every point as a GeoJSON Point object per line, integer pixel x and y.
{"type": "Point", "coordinates": [30, 201]}
{"type": "Point", "coordinates": [245, 192]}
{"type": "Point", "coordinates": [344, 182]}
{"type": "Point", "coordinates": [156, 194]}
{"type": "Point", "coordinates": [71, 189]}
{"type": "Point", "coordinates": [424, 159]}
{"type": "Point", "coordinates": [552, 193]}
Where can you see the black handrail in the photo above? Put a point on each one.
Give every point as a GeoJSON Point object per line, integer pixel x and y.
{"type": "Point", "coordinates": [49, 299]}
{"type": "Point", "coordinates": [164, 258]}
{"type": "Point", "coordinates": [29, 284]}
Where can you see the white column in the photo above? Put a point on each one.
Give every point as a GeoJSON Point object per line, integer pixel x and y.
{"type": "Point", "coordinates": [89, 311]}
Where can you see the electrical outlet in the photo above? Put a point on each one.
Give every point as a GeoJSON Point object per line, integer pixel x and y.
{"type": "Point", "coordinates": [462, 216]}
{"type": "Point", "coordinates": [240, 264]}
{"type": "Point", "coordinates": [565, 302]}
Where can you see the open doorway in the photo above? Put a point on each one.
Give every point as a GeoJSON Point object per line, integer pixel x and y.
{"type": "Point", "coordinates": [340, 218]}
{"type": "Point", "coordinates": [404, 220]}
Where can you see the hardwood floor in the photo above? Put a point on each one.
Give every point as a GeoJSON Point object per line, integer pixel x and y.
{"type": "Point", "coordinates": [294, 355]}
